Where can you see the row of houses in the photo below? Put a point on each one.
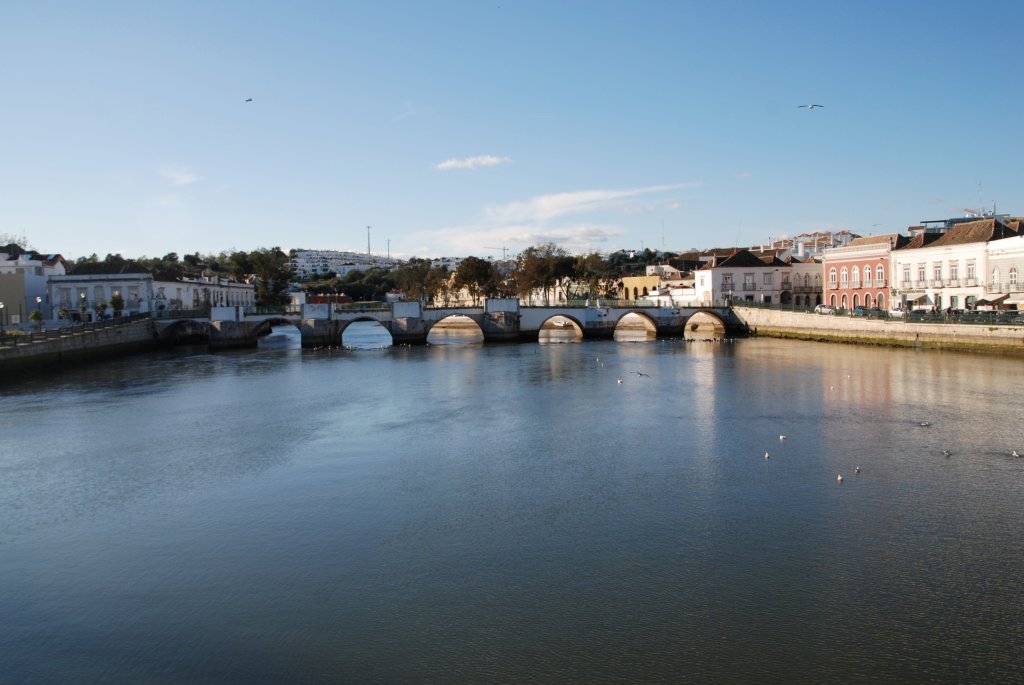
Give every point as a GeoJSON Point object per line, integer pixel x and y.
{"type": "Point", "coordinates": [960, 263]}
{"type": "Point", "coordinates": [30, 281]}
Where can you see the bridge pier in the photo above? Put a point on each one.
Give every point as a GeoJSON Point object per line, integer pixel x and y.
{"type": "Point", "coordinates": [226, 335]}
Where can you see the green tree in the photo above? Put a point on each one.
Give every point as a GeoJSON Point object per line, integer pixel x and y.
{"type": "Point", "coordinates": [117, 303]}
{"type": "Point", "coordinates": [271, 270]}
{"type": "Point", "coordinates": [36, 316]}
{"type": "Point", "coordinates": [477, 277]}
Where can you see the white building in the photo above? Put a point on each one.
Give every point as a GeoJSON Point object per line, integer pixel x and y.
{"type": "Point", "coordinates": [86, 294]}
{"type": "Point", "coordinates": [1006, 272]}
{"type": "Point", "coordinates": [23, 283]}
{"type": "Point", "coordinates": [741, 277]}
{"type": "Point", "coordinates": [950, 270]}
{"type": "Point", "coordinates": [307, 264]}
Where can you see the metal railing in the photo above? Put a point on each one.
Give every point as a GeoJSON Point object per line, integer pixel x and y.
{"type": "Point", "coordinates": [15, 337]}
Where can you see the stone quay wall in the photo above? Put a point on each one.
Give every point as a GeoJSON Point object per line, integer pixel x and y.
{"type": "Point", "coordinates": [77, 346]}
{"type": "Point", "coordinates": [1003, 339]}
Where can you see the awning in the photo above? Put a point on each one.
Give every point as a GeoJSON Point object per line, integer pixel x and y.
{"type": "Point", "coordinates": [917, 298]}
{"type": "Point", "coordinates": [992, 299]}
{"type": "Point", "coordinates": [1015, 299]}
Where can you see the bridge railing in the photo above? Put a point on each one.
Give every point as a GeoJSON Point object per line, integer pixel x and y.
{"type": "Point", "coordinates": [264, 310]}
{"type": "Point", "coordinates": [201, 313]}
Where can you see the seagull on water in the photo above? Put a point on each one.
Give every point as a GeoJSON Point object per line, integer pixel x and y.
{"type": "Point", "coordinates": [1014, 454]}
{"type": "Point", "coordinates": [766, 456]}
{"type": "Point", "coordinates": [641, 373]}
{"type": "Point", "coordinates": [924, 424]}
{"type": "Point", "coordinates": [782, 437]}
{"type": "Point", "coordinates": [809, 107]}
{"type": "Point", "coordinates": [857, 471]}
{"type": "Point", "coordinates": [839, 478]}
{"type": "Point", "coordinates": [946, 453]}
{"type": "Point", "coordinates": [620, 381]}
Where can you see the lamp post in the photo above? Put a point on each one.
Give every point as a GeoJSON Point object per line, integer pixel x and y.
{"type": "Point", "coordinates": [1, 318]}
{"type": "Point", "coordinates": [39, 320]}
{"type": "Point", "coordinates": [81, 306]}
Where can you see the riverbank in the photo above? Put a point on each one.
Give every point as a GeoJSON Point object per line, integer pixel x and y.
{"type": "Point", "coordinates": [775, 323]}
{"type": "Point", "coordinates": [66, 346]}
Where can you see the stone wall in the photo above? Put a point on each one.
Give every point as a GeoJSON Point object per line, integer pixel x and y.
{"type": "Point", "coordinates": [80, 346]}
{"type": "Point", "coordinates": [893, 332]}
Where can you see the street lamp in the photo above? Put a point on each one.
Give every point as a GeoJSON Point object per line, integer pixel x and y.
{"type": "Point", "coordinates": [1, 318]}
{"type": "Point", "coordinates": [39, 303]}
{"type": "Point", "coordinates": [81, 306]}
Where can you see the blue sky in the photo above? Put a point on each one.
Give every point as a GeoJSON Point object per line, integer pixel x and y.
{"type": "Point", "coordinates": [459, 128]}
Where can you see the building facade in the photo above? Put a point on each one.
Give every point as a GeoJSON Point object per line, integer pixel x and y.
{"type": "Point", "coordinates": [859, 274]}
{"type": "Point", "coordinates": [741, 277]}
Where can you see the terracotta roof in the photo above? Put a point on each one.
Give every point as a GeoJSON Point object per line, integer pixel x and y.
{"type": "Point", "coordinates": [920, 240]}
{"type": "Point", "coordinates": [894, 239]}
{"type": "Point", "coordinates": [980, 231]}
{"type": "Point", "coordinates": [746, 258]}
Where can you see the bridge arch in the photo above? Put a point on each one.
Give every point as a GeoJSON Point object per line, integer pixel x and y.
{"type": "Point", "coordinates": [364, 332]}
{"type": "Point", "coordinates": [455, 329]}
{"type": "Point", "coordinates": [560, 328]}
{"type": "Point", "coordinates": [635, 327]}
{"type": "Point", "coordinates": [704, 325]}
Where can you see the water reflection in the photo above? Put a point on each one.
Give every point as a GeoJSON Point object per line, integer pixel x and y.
{"type": "Point", "coordinates": [559, 329]}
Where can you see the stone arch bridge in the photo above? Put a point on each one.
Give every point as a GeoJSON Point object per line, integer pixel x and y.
{"type": "Point", "coordinates": [410, 322]}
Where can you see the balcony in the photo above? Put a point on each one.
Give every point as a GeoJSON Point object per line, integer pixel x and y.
{"type": "Point", "coordinates": [904, 285]}
{"type": "Point", "coordinates": [970, 282]}
{"type": "Point", "coordinates": [935, 283]}
{"type": "Point", "coordinates": [951, 283]}
{"type": "Point", "coordinates": [920, 285]}
{"type": "Point", "coordinates": [749, 286]}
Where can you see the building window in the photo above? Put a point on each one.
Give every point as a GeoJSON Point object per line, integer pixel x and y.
{"type": "Point", "coordinates": [844, 302]}
{"type": "Point", "coordinates": [880, 300]}
{"type": "Point", "coordinates": [856, 300]}
{"type": "Point", "coordinates": [906, 273]}
{"type": "Point", "coordinates": [767, 278]}
{"type": "Point", "coordinates": [971, 275]}
{"type": "Point", "coordinates": [855, 280]}
{"type": "Point", "coordinates": [867, 276]}
{"type": "Point", "coordinates": [995, 278]}
{"type": "Point", "coordinates": [1013, 275]}
{"type": "Point", "coordinates": [954, 270]}
{"type": "Point", "coordinates": [920, 273]}
{"type": "Point", "coordinates": [880, 276]}
{"type": "Point", "coordinates": [832, 278]}
{"type": "Point", "coordinates": [844, 280]}
{"type": "Point", "coordinates": [937, 271]}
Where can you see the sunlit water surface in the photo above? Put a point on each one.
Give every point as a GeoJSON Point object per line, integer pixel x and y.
{"type": "Point", "coordinates": [515, 513]}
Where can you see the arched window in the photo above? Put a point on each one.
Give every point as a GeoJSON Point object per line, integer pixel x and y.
{"type": "Point", "coordinates": [807, 280]}
{"type": "Point", "coordinates": [645, 291]}
{"type": "Point", "coordinates": [636, 293]}
{"type": "Point", "coordinates": [855, 278]}
{"type": "Point", "coordinates": [832, 277]}
{"type": "Point", "coordinates": [845, 306]}
{"type": "Point", "coordinates": [880, 276]}
{"type": "Point", "coordinates": [867, 300]}
{"type": "Point", "coordinates": [832, 301]}
{"type": "Point", "coordinates": [844, 278]}
{"type": "Point", "coordinates": [856, 300]}
{"type": "Point", "coordinates": [880, 300]}
{"type": "Point", "coordinates": [867, 278]}
{"type": "Point", "coordinates": [817, 281]}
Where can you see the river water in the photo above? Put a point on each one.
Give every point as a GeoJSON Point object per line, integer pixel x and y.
{"type": "Point", "coordinates": [515, 514]}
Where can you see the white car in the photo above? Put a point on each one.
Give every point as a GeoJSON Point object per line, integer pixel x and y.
{"type": "Point", "coordinates": [823, 309]}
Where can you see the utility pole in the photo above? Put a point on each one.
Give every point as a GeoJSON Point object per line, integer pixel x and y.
{"type": "Point", "coordinates": [389, 248]}
{"type": "Point", "coordinates": [367, 240]}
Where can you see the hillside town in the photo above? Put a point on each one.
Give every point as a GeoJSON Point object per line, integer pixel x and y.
{"type": "Point", "coordinates": [943, 267]}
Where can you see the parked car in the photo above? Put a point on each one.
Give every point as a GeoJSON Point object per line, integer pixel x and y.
{"type": "Point", "coordinates": [823, 309]}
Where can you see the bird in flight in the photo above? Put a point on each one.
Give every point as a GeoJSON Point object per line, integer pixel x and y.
{"type": "Point", "coordinates": [248, 99]}
{"type": "Point", "coordinates": [809, 107]}
{"type": "Point", "coordinates": [640, 373]}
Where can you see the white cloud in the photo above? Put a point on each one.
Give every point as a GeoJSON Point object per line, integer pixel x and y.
{"type": "Point", "coordinates": [546, 218]}
{"type": "Point", "coordinates": [472, 162]}
{"type": "Point", "coordinates": [546, 207]}
{"type": "Point", "coordinates": [180, 176]}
